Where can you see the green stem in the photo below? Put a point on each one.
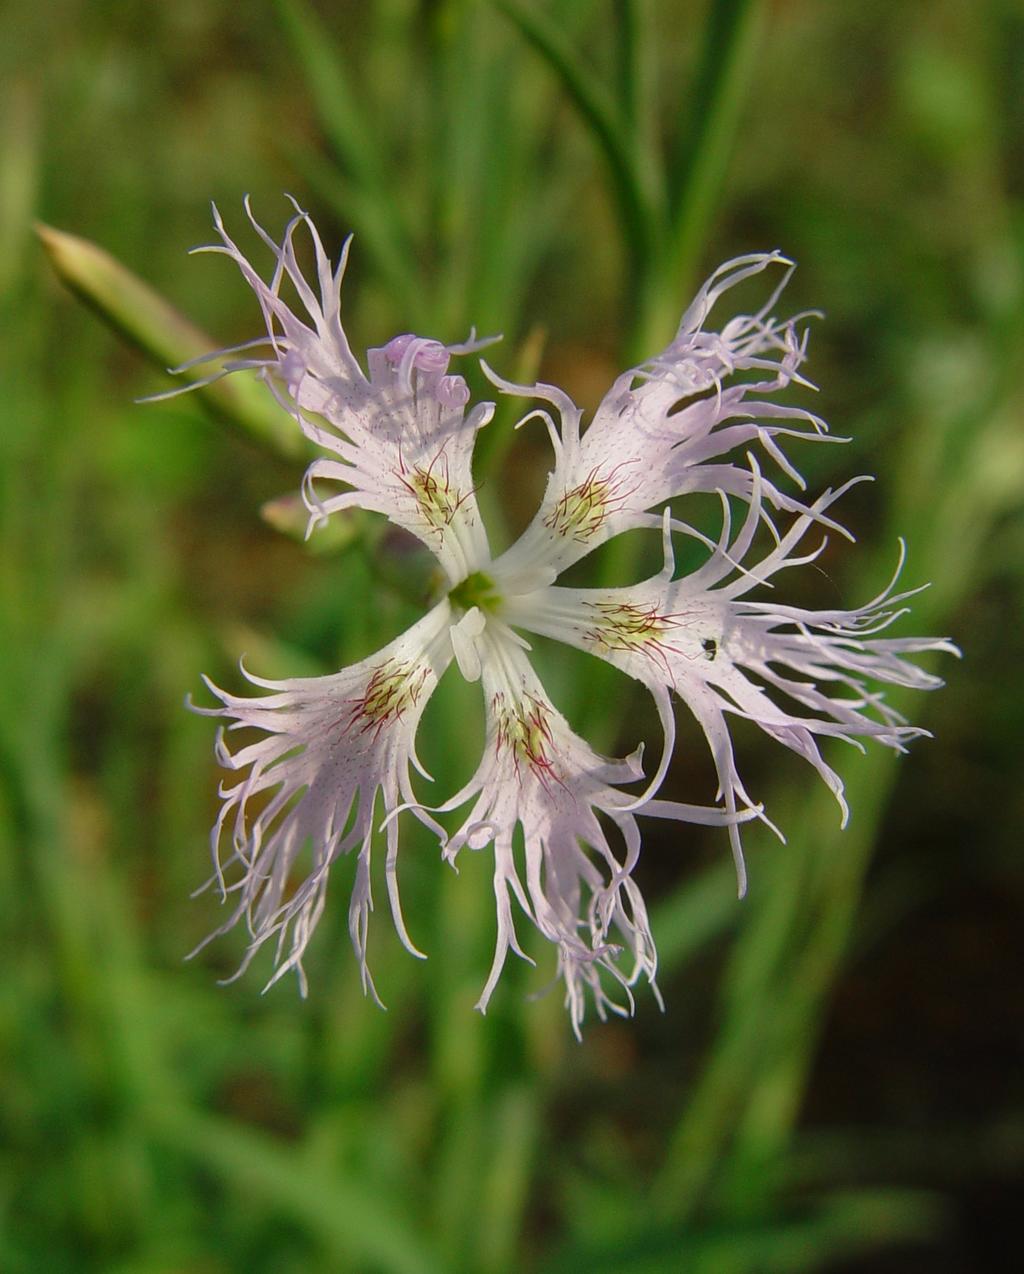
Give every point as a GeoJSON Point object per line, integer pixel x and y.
{"type": "Point", "coordinates": [630, 173]}
{"type": "Point", "coordinates": [699, 166]}
{"type": "Point", "coordinates": [629, 60]}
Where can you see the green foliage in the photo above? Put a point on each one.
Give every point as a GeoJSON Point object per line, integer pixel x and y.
{"type": "Point", "coordinates": [573, 165]}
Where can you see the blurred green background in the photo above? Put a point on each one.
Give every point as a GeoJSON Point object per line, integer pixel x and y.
{"type": "Point", "coordinates": [836, 1083]}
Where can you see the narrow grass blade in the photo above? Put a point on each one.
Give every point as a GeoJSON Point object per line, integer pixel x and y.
{"type": "Point", "coordinates": [516, 1123]}
{"type": "Point", "coordinates": [601, 116]}
{"type": "Point", "coordinates": [844, 1224]}
{"type": "Point", "coordinates": [350, 130]}
{"type": "Point", "coordinates": [350, 1218]}
{"type": "Point", "coordinates": [700, 910]}
{"type": "Point", "coordinates": [698, 169]}
{"type": "Point", "coordinates": [629, 59]}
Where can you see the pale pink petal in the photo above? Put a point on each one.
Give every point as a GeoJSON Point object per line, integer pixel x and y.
{"type": "Point", "coordinates": [327, 747]}
{"type": "Point", "coordinates": [798, 674]}
{"type": "Point", "coordinates": [540, 781]}
{"type": "Point", "coordinates": [667, 427]}
{"type": "Point", "coordinates": [399, 440]}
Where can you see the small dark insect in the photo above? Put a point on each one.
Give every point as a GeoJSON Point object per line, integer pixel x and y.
{"type": "Point", "coordinates": [709, 647]}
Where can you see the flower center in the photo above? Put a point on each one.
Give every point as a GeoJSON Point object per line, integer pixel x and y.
{"type": "Point", "coordinates": [477, 589]}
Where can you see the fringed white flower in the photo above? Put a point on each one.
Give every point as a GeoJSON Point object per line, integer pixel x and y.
{"type": "Point", "coordinates": [560, 820]}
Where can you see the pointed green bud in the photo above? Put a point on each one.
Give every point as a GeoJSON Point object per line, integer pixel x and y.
{"type": "Point", "coordinates": [144, 318]}
{"type": "Point", "coordinates": [289, 515]}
